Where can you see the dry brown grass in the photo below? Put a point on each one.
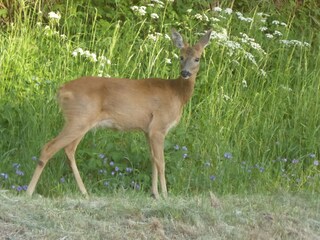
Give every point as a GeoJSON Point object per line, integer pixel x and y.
{"type": "Point", "coordinates": [129, 215]}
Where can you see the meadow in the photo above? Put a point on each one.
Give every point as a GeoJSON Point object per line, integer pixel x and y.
{"type": "Point", "coordinates": [252, 126]}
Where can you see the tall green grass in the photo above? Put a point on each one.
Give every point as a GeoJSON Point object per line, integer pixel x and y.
{"type": "Point", "coordinates": [251, 126]}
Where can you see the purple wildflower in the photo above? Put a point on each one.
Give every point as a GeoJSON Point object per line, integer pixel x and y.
{"type": "Point", "coordinates": [5, 176]}
{"type": "Point", "coordinates": [184, 148]}
{"type": "Point", "coordinates": [19, 172]}
{"type": "Point", "coordinates": [316, 163]}
{"type": "Point", "coordinates": [62, 180]}
{"type": "Point", "coordinates": [212, 177]}
{"type": "Point", "coordinates": [185, 155]}
{"type": "Point", "coordinates": [227, 155]}
{"type": "Point", "coordinates": [116, 169]}
{"type": "Point", "coordinates": [312, 155]}
{"type": "Point", "coordinates": [111, 163]}
{"type": "Point", "coordinates": [176, 147]}
{"type": "Point", "coordinates": [106, 183]}
{"type": "Point", "coordinates": [102, 156]}
{"type": "Point", "coordinates": [34, 158]}
{"type": "Point", "coordinates": [129, 170]}
{"type": "Point", "coordinates": [19, 188]}
{"type": "Point", "coordinates": [25, 187]}
{"type": "Point", "coordinates": [102, 171]}
{"type": "Point", "coordinates": [16, 165]}
{"type": "Point", "coordinates": [135, 185]}
{"type": "Point", "coordinates": [294, 161]}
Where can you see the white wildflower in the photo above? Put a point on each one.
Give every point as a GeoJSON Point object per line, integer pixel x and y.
{"type": "Point", "coordinates": [263, 73]}
{"type": "Point", "coordinates": [87, 53]}
{"type": "Point", "coordinates": [154, 16]}
{"type": "Point", "coordinates": [257, 47]}
{"type": "Point", "coordinates": [168, 60]}
{"type": "Point", "coordinates": [102, 58]}
{"type": "Point", "coordinates": [295, 43]}
{"type": "Point", "coordinates": [198, 16]}
{"type": "Point", "coordinates": [213, 19]}
{"type": "Point", "coordinates": [93, 57]}
{"type": "Point", "coordinates": [250, 57]}
{"type": "Point", "coordinates": [275, 22]}
{"type": "Point", "coordinates": [233, 45]}
{"type": "Point", "coordinates": [63, 36]}
{"type": "Point", "coordinates": [245, 19]}
{"type": "Point", "coordinates": [74, 53]}
{"type": "Point", "coordinates": [283, 24]}
{"type": "Point", "coordinates": [244, 83]}
{"type": "Point", "coordinates": [152, 37]}
{"type": "Point", "coordinates": [228, 11]}
{"type": "Point", "coordinates": [220, 35]}
{"type": "Point", "coordinates": [150, 5]}
{"type": "Point", "coordinates": [140, 10]}
{"type": "Point", "coordinates": [263, 20]}
{"type": "Point", "coordinates": [262, 29]}
{"type": "Point", "coordinates": [217, 9]}
{"type": "Point", "coordinates": [306, 44]}
{"type": "Point", "coordinates": [53, 15]}
{"type": "Point", "coordinates": [268, 35]}
{"type": "Point", "coordinates": [175, 56]}
{"type": "Point", "coordinates": [277, 33]}
{"type": "Point", "coordinates": [158, 1]}
{"type": "Point", "coordinates": [134, 8]}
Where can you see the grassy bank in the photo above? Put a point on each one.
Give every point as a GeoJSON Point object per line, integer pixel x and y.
{"type": "Point", "coordinates": [133, 215]}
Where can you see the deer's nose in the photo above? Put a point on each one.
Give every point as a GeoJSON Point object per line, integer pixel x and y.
{"type": "Point", "coordinates": [185, 74]}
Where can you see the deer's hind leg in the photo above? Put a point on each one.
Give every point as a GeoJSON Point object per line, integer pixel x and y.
{"type": "Point", "coordinates": [70, 152]}
{"type": "Point", "coordinates": [71, 132]}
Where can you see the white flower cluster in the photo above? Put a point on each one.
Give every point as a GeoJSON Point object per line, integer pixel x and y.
{"type": "Point", "coordinates": [54, 16]}
{"type": "Point", "coordinates": [242, 18]}
{"type": "Point", "coordinates": [140, 10]}
{"type": "Point", "coordinates": [201, 17]}
{"type": "Point", "coordinates": [155, 36]}
{"type": "Point", "coordinates": [295, 43]}
{"type": "Point", "coordinates": [251, 42]}
{"type": "Point", "coordinates": [49, 30]}
{"type": "Point", "coordinates": [91, 56]}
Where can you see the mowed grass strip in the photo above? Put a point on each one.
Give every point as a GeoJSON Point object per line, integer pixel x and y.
{"type": "Point", "coordinates": [133, 215]}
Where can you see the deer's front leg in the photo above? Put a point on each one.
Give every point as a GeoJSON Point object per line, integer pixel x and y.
{"type": "Point", "coordinates": [156, 141]}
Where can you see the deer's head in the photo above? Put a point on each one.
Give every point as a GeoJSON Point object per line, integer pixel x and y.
{"type": "Point", "coordinates": [190, 55]}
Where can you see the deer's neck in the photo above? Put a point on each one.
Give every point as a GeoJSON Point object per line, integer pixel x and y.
{"type": "Point", "coordinates": [184, 88]}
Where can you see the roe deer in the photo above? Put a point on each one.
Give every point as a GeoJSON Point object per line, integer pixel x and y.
{"type": "Point", "coordinates": [151, 105]}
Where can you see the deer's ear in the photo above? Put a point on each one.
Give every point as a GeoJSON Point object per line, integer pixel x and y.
{"type": "Point", "coordinates": [177, 39]}
{"type": "Point", "coordinates": [204, 40]}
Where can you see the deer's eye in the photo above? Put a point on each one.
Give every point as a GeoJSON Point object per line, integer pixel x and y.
{"type": "Point", "coordinates": [197, 59]}
{"type": "Point", "coordinates": [181, 58]}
